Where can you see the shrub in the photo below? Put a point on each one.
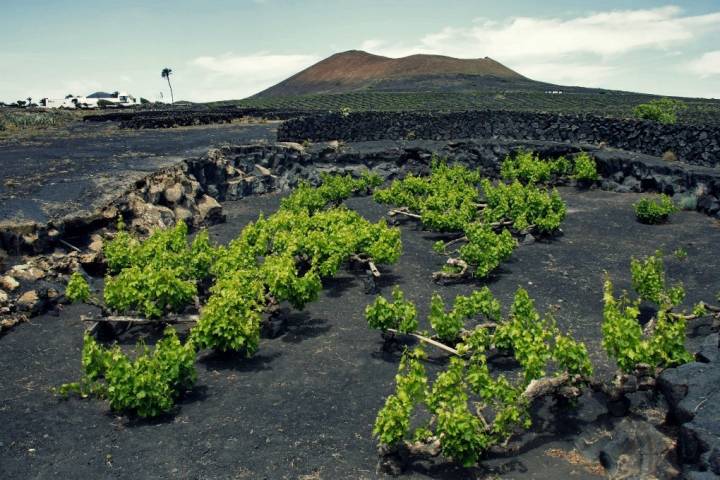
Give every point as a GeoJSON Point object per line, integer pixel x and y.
{"type": "Point", "coordinates": [146, 385]}
{"type": "Point", "coordinates": [526, 206]}
{"type": "Point", "coordinates": [77, 289]}
{"type": "Point", "coordinates": [648, 280]}
{"type": "Point", "coordinates": [446, 200]}
{"type": "Point", "coordinates": [485, 250]}
{"type": "Point", "coordinates": [470, 409]}
{"type": "Point", "coordinates": [449, 325]}
{"type": "Point", "coordinates": [624, 340]}
{"type": "Point", "coordinates": [159, 274]}
{"type": "Point", "coordinates": [585, 169]}
{"type": "Point", "coordinates": [654, 211]}
{"type": "Point", "coordinates": [285, 256]}
{"type": "Point", "coordinates": [399, 315]}
{"type": "Point", "coordinates": [230, 320]}
{"type": "Point", "coordinates": [662, 110]}
{"type": "Point", "coordinates": [669, 156]}
{"type": "Point", "coordinates": [527, 167]}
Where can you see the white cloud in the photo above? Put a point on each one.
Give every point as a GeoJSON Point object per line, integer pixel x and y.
{"type": "Point", "coordinates": [603, 34]}
{"type": "Point", "coordinates": [238, 76]}
{"type": "Point", "coordinates": [76, 87]}
{"type": "Point", "coordinates": [263, 64]}
{"type": "Point", "coordinates": [570, 73]}
{"type": "Point", "coordinates": [707, 65]}
{"type": "Point", "coordinates": [585, 50]}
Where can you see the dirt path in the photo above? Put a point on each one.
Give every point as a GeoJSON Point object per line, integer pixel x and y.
{"type": "Point", "coordinates": [304, 406]}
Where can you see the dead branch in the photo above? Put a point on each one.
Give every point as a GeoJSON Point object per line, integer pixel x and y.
{"type": "Point", "coordinates": [564, 385]}
{"type": "Point", "coordinates": [428, 448]}
{"type": "Point", "coordinates": [427, 340]}
{"type": "Point", "coordinates": [69, 245]}
{"type": "Point", "coordinates": [457, 240]}
{"type": "Point", "coordinates": [139, 320]}
{"type": "Point", "coordinates": [404, 211]}
{"type": "Point", "coordinates": [366, 261]}
{"type": "Point", "coordinates": [456, 262]}
{"type": "Point", "coordinates": [503, 223]}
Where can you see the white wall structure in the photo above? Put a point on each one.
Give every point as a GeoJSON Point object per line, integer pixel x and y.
{"type": "Point", "coordinates": [117, 99]}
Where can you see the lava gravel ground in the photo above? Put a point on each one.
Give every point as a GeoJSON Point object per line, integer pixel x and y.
{"type": "Point", "coordinates": [48, 177]}
{"type": "Point", "coordinates": [303, 407]}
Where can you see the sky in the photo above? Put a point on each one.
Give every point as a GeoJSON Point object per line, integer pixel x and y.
{"type": "Point", "coordinates": [222, 49]}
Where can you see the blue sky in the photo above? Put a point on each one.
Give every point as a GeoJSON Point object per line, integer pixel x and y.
{"type": "Point", "coordinates": [232, 49]}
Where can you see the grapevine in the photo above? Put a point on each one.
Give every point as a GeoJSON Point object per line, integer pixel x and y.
{"type": "Point", "coordinates": [451, 199]}
{"type": "Point", "coordinates": [661, 343]}
{"type": "Point", "coordinates": [654, 211]}
{"type": "Point", "coordinates": [282, 257]}
{"type": "Point", "coordinates": [501, 404]}
{"type": "Point", "coordinates": [146, 385]}
{"type": "Point", "coordinates": [528, 168]}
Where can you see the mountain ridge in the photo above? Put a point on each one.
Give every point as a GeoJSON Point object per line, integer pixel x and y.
{"type": "Point", "coordinates": [357, 70]}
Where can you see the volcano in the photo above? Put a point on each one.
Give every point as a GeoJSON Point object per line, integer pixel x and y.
{"type": "Point", "coordinates": [359, 71]}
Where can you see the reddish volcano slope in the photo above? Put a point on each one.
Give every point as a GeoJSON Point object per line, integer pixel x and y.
{"type": "Point", "coordinates": [360, 71]}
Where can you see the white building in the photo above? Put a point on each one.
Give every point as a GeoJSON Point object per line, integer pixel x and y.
{"type": "Point", "coordinates": [116, 99]}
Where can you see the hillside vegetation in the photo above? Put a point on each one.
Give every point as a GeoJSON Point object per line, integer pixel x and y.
{"type": "Point", "coordinates": [604, 103]}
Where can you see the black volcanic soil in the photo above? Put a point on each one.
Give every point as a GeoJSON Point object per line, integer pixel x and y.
{"type": "Point", "coordinates": [304, 405]}
{"type": "Point", "coordinates": [68, 172]}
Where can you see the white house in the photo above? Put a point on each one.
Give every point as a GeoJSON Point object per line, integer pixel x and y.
{"type": "Point", "coordinates": [117, 99]}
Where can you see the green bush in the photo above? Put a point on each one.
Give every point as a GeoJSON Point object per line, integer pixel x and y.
{"type": "Point", "coordinates": [77, 289]}
{"type": "Point", "coordinates": [662, 110]}
{"type": "Point", "coordinates": [231, 318]}
{"type": "Point", "coordinates": [624, 340]}
{"type": "Point", "coordinates": [485, 250]}
{"type": "Point", "coordinates": [654, 211]}
{"type": "Point", "coordinates": [585, 169]}
{"type": "Point", "coordinates": [527, 167]}
{"type": "Point", "coordinates": [399, 315]}
{"type": "Point", "coordinates": [648, 280]}
{"type": "Point", "coordinates": [526, 206]}
{"type": "Point", "coordinates": [157, 275]}
{"type": "Point", "coordinates": [470, 409]}
{"type": "Point", "coordinates": [146, 385]}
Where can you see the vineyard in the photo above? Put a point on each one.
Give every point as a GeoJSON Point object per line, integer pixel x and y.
{"type": "Point", "coordinates": [603, 103]}
{"type": "Point", "coordinates": [424, 319]}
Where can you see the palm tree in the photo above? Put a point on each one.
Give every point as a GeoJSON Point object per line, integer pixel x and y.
{"type": "Point", "coordinates": [166, 74]}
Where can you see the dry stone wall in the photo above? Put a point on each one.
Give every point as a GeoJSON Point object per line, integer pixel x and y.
{"type": "Point", "coordinates": [697, 145]}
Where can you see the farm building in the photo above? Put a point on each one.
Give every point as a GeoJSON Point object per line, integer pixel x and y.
{"type": "Point", "coordinates": [94, 100]}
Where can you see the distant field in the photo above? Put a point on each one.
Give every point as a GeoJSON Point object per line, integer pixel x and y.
{"type": "Point", "coordinates": [614, 104]}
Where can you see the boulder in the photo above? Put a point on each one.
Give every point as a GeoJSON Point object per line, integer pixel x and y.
{"type": "Point", "coordinates": [694, 398]}
{"type": "Point", "coordinates": [263, 171]}
{"type": "Point", "coordinates": [155, 191]}
{"type": "Point", "coordinates": [686, 386]}
{"type": "Point", "coordinates": [96, 243]}
{"type": "Point", "coordinates": [633, 448]}
{"type": "Point", "coordinates": [183, 214]}
{"type": "Point", "coordinates": [209, 209]}
{"type": "Point", "coordinates": [709, 351]}
{"type": "Point", "coordinates": [9, 283]}
{"type": "Point", "coordinates": [27, 272]}
{"type": "Point", "coordinates": [174, 194]}
{"type": "Point", "coordinates": [29, 301]}
{"type": "Point", "coordinates": [4, 297]}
